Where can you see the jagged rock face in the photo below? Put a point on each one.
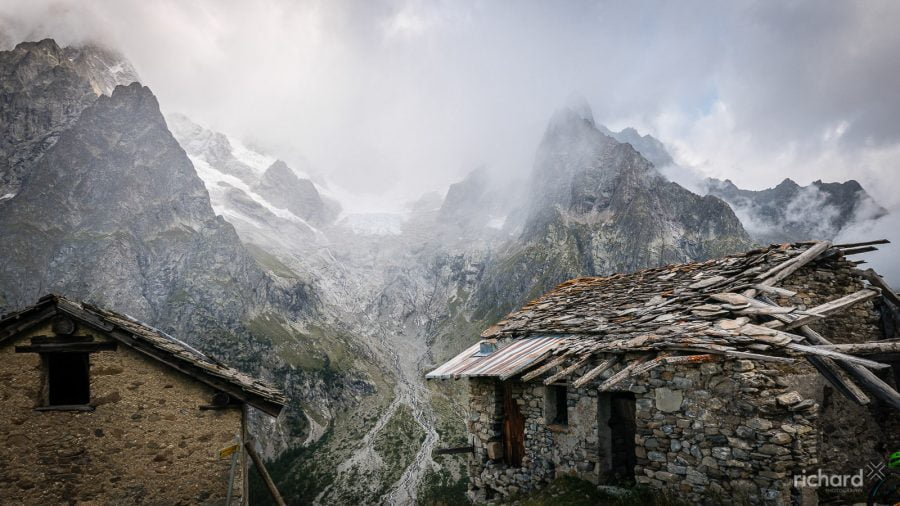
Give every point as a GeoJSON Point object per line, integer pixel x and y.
{"type": "Point", "coordinates": [790, 212]}
{"type": "Point", "coordinates": [599, 207]}
{"type": "Point", "coordinates": [648, 146]}
{"type": "Point", "coordinates": [281, 186]}
{"type": "Point", "coordinates": [114, 213]}
{"type": "Point", "coordinates": [43, 89]}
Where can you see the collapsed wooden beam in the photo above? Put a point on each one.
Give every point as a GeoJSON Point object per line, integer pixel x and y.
{"type": "Point", "coordinates": [886, 291]}
{"type": "Point", "coordinates": [823, 310]}
{"type": "Point", "coordinates": [869, 348]}
{"type": "Point", "coordinates": [799, 261]}
{"type": "Point", "coordinates": [839, 380]}
{"type": "Point", "coordinates": [866, 243]}
{"type": "Point", "coordinates": [546, 367]}
{"type": "Point", "coordinates": [816, 350]}
{"type": "Point", "coordinates": [568, 370]}
{"type": "Point", "coordinates": [857, 251]}
{"type": "Point", "coordinates": [597, 371]}
{"type": "Point", "coordinates": [866, 378]}
{"type": "Point", "coordinates": [637, 366]}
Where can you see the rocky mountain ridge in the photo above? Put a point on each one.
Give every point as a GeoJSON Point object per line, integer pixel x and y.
{"type": "Point", "coordinates": [43, 89]}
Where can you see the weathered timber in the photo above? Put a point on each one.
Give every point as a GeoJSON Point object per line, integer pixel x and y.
{"type": "Point", "coordinates": [546, 367]}
{"type": "Point", "coordinates": [775, 290]}
{"type": "Point", "coordinates": [823, 310]}
{"type": "Point", "coordinates": [886, 291]}
{"type": "Point", "coordinates": [596, 371]}
{"type": "Point", "coordinates": [839, 380]}
{"type": "Point", "coordinates": [866, 243]}
{"type": "Point", "coordinates": [264, 474]}
{"type": "Point", "coordinates": [816, 350]}
{"type": "Point", "coordinates": [568, 370]}
{"type": "Point", "coordinates": [804, 258]}
{"type": "Point", "coordinates": [858, 251]}
{"type": "Point", "coordinates": [869, 348]}
{"type": "Point", "coordinates": [637, 366]}
{"type": "Point", "coordinates": [866, 378]}
{"type": "Point", "coordinates": [455, 450]}
{"type": "Point", "coordinates": [67, 347]}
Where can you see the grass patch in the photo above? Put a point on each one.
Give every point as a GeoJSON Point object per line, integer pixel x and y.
{"type": "Point", "coordinates": [397, 444]}
{"type": "Point", "coordinates": [270, 262]}
{"type": "Point", "coordinates": [576, 492]}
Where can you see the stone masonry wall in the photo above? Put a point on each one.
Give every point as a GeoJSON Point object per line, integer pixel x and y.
{"type": "Point", "coordinates": [707, 432]}
{"type": "Point", "coordinates": [146, 443]}
{"type": "Point", "coordinates": [850, 435]}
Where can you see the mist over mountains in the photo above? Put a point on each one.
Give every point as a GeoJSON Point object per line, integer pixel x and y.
{"type": "Point", "coordinates": [257, 262]}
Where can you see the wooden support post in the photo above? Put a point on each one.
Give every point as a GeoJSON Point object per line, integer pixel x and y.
{"type": "Point", "coordinates": [261, 469]}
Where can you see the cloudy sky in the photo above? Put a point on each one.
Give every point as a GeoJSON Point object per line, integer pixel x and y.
{"type": "Point", "coordinates": [408, 96]}
{"type": "Point", "coordinates": [401, 97]}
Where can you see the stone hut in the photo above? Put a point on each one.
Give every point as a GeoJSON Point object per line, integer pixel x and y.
{"type": "Point", "coordinates": [103, 409]}
{"type": "Point", "coordinates": [724, 381]}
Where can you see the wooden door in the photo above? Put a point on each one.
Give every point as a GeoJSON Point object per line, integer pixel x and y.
{"type": "Point", "coordinates": [513, 428]}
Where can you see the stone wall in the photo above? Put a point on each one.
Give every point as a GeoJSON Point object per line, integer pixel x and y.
{"type": "Point", "coordinates": [707, 432]}
{"type": "Point", "coordinates": [850, 435]}
{"type": "Point", "coordinates": [728, 431]}
{"type": "Point", "coordinates": [147, 442]}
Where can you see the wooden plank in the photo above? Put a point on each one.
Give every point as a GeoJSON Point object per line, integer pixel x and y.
{"type": "Point", "coordinates": [815, 350]}
{"type": "Point", "coordinates": [866, 243]}
{"type": "Point", "coordinates": [568, 370]}
{"type": "Point", "coordinates": [66, 407]}
{"type": "Point", "coordinates": [67, 347]}
{"type": "Point", "coordinates": [546, 367]}
{"type": "Point", "coordinates": [264, 474]}
{"type": "Point", "coordinates": [61, 339]}
{"type": "Point", "coordinates": [866, 378]}
{"type": "Point", "coordinates": [859, 250]}
{"type": "Point", "coordinates": [641, 364]}
{"type": "Point", "coordinates": [454, 451]}
{"type": "Point", "coordinates": [839, 380]}
{"type": "Point", "coordinates": [775, 290]}
{"type": "Point", "coordinates": [799, 261]}
{"type": "Point", "coordinates": [886, 291]}
{"type": "Point", "coordinates": [868, 348]}
{"type": "Point", "coordinates": [833, 306]}
{"type": "Point", "coordinates": [597, 371]}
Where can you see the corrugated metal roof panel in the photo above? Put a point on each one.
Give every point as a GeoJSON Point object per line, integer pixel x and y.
{"type": "Point", "coordinates": [503, 363]}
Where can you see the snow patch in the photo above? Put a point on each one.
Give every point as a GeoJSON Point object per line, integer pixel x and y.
{"type": "Point", "coordinates": [212, 177]}
{"type": "Point", "coordinates": [497, 222]}
{"type": "Point", "coordinates": [254, 159]}
{"type": "Point", "coordinates": [7, 196]}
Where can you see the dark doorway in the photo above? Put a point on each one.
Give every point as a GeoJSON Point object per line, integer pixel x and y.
{"type": "Point", "coordinates": [68, 379]}
{"type": "Point", "coordinates": [513, 428]}
{"type": "Point", "coordinates": [622, 429]}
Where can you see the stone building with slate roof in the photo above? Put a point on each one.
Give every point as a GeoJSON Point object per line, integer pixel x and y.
{"type": "Point", "coordinates": [717, 381]}
{"type": "Point", "coordinates": [100, 408]}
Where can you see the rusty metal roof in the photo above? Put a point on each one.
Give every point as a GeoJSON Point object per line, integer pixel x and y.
{"type": "Point", "coordinates": [503, 363]}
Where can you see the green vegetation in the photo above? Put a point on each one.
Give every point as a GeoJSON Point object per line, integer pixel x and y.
{"type": "Point", "coordinates": [397, 444]}
{"type": "Point", "coordinates": [317, 349]}
{"type": "Point", "coordinates": [576, 492]}
{"type": "Point", "coordinates": [270, 262]}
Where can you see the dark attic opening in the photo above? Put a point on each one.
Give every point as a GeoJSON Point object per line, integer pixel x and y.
{"type": "Point", "coordinates": [68, 378]}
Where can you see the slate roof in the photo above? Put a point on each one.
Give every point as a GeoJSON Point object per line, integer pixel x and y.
{"type": "Point", "coordinates": [692, 312]}
{"type": "Point", "coordinates": [152, 342]}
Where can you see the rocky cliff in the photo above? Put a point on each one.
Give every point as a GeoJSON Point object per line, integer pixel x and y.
{"type": "Point", "coordinates": [790, 212]}
{"type": "Point", "coordinates": [596, 207]}
{"type": "Point", "coordinates": [43, 89]}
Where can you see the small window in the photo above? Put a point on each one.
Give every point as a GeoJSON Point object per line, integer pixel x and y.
{"type": "Point", "coordinates": [68, 379]}
{"type": "Point", "coordinates": [556, 405]}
